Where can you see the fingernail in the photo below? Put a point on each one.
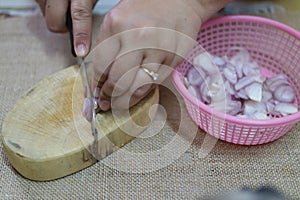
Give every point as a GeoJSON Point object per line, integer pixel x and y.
{"type": "Point", "coordinates": [87, 109]}
{"type": "Point", "coordinates": [96, 92]}
{"type": "Point", "coordinates": [104, 105]}
{"type": "Point", "coordinates": [81, 50]}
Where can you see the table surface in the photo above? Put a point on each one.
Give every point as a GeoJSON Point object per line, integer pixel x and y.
{"type": "Point", "coordinates": [29, 53]}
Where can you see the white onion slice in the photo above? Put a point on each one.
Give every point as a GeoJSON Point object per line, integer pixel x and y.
{"type": "Point", "coordinates": [194, 77]}
{"type": "Point", "coordinates": [251, 107]}
{"type": "Point", "coordinates": [270, 107]}
{"type": "Point", "coordinates": [186, 82]}
{"type": "Point", "coordinates": [274, 85]}
{"type": "Point", "coordinates": [234, 107]}
{"type": "Point", "coordinates": [266, 95]}
{"type": "Point", "coordinates": [203, 93]}
{"type": "Point", "coordinates": [251, 69]}
{"type": "Point", "coordinates": [285, 108]}
{"type": "Point", "coordinates": [244, 82]}
{"type": "Point", "coordinates": [254, 91]}
{"type": "Point", "coordinates": [284, 94]}
{"type": "Point", "coordinates": [242, 94]}
{"type": "Point", "coordinates": [218, 61]}
{"type": "Point", "coordinates": [259, 115]}
{"type": "Point", "coordinates": [193, 90]}
{"type": "Point", "coordinates": [230, 75]}
{"type": "Point", "coordinates": [203, 61]}
{"type": "Point", "coordinates": [229, 88]}
{"type": "Point", "coordinates": [87, 109]}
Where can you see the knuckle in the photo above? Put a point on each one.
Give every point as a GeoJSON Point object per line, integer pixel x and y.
{"type": "Point", "coordinates": [112, 20]}
{"type": "Point", "coordinates": [81, 13]}
{"type": "Point", "coordinates": [81, 35]}
{"type": "Point", "coordinates": [110, 87]}
{"type": "Point", "coordinates": [54, 28]}
{"type": "Point", "coordinates": [140, 92]}
{"type": "Point", "coordinates": [115, 87]}
{"type": "Point", "coordinates": [146, 36]}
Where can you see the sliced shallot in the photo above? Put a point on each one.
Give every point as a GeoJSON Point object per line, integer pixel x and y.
{"type": "Point", "coordinates": [254, 91]}
{"type": "Point", "coordinates": [285, 108]}
{"type": "Point", "coordinates": [235, 86]}
{"type": "Point", "coordinates": [285, 94]}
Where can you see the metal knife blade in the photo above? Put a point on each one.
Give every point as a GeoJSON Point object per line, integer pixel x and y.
{"type": "Point", "coordinates": [86, 85]}
{"type": "Point", "coordinates": [90, 96]}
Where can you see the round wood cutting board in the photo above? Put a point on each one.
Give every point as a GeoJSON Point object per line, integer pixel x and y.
{"type": "Point", "coordinates": [45, 136]}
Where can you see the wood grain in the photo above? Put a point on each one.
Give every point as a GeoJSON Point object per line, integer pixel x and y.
{"type": "Point", "coordinates": [45, 136]}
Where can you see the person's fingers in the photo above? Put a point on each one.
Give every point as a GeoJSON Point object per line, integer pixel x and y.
{"type": "Point", "coordinates": [141, 86]}
{"type": "Point", "coordinates": [153, 56]}
{"type": "Point", "coordinates": [42, 4]}
{"type": "Point", "coordinates": [125, 65]}
{"type": "Point", "coordinates": [129, 59]}
{"type": "Point", "coordinates": [82, 25]}
{"type": "Point", "coordinates": [138, 95]}
{"type": "Point", "coordinates": [55, 13]}
{"type": "Point", "coordinates": [123, 80]}
{"type": "Point", "coordinates": [104, 54]}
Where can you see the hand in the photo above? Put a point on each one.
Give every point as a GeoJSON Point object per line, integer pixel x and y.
{"type": "Point", "coordinates": [81, 11]}
{"type": "Point", "coordinates": [157, 33]}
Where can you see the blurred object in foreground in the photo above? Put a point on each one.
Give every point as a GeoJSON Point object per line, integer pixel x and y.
{"type": "Point", "coordinates": [284, 11]}
{"type": "Point", "coordinates": [262, 7]}
{"type": "Point", "coordinates": [263, 193]}
{"type": "Point", "coordinates": [30, 7]}
{"type": "Point", "coordinates": [19, 7]}
{"type": "Point", "coordinates": [104, 6]}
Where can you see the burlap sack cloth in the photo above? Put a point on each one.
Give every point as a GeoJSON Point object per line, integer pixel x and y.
{"type": "Point", "coordinates": [29, 53]}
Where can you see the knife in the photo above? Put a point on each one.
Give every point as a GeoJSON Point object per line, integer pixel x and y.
{"type": "Point", "coordinates": [87, 88]}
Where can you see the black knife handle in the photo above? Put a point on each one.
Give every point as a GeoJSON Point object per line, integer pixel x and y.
{"type": "Point", "coordinates": [69, 25]}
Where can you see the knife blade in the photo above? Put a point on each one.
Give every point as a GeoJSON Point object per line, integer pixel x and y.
{"type": "Point", "coordinates": [93, 102]}
{"type": "Point", "coordinates": [86, 85]}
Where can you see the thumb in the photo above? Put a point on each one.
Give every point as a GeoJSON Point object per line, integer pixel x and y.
{"type": "Point", "coordinates": [81, 12]}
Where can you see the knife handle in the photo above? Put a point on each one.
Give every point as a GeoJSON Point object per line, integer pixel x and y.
{"type": "Point", "coordinates": [69, 25]}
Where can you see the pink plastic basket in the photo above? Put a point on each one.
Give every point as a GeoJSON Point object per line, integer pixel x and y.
{"type": "Point", "coordinates": [274, 46]}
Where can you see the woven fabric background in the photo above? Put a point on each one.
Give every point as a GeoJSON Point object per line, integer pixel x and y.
{"type": "Point", "coordinates": [29, 53]}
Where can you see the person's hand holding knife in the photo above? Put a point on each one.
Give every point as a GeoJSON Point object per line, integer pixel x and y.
{"type": "Point", "coordinates": [119, 56]}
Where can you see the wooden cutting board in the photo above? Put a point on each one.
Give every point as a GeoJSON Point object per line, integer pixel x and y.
{"type": "Point", "coordinates": [45, 136]}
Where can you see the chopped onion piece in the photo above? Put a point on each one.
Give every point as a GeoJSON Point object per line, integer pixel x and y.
{"type": "Point", "coordinates": [229, 88]}
{"type": "Point", "coordinates": [259, 115]}
{"type": "Point", "coordinates": [242, 94]}
{"type": "Point", "coordinates": [284, 94]}
{"type": "Point", "coordinates": [204, 93]}
{"type": "Point", "coordinates": [194, 77]}
{"type": "Point", "coordinates": [251, 69]}
{"type": "Point", "coordinates": [193, 90]}
{"type": "Point", "coordinates": [234, 107]}
{"type": "Point", "coordinates": [266, 95]}
{"type": "Point", "coordinates": [244, 82]}
{"type": "Point", "coordinates": [203, 60]}
{"type": "Point", "coordinates": [230, 75]}
{"type": "Point", "coordinates": [218, 61]}
{"type": "Point", "coordinates": [254, 91]}
{"type": "Point", "coordinates": [186, 82]}
{"type": "Point", "coordinates": [285, 108]}
{"type": "Point", "coordinates": [270, 107]}
{"type": "Point", "coordinates": [251, 107]}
